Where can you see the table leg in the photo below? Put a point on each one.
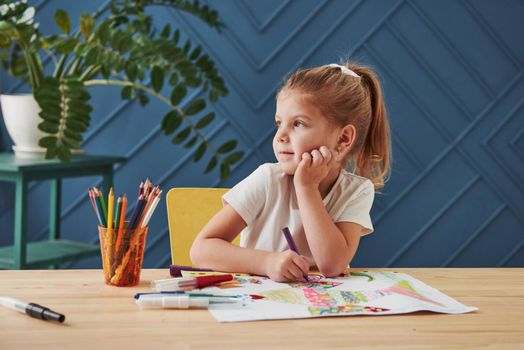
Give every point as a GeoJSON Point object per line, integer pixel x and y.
{"type": "Point", "coordinates": [54, 208]}
{"type": "Point", "coordinates": [20, 239]}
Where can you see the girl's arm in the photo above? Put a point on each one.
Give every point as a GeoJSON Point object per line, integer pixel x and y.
{"type": "Point", "coordinates": [332, 245]}
{"type": "Point", "coordinates": [213, 249]}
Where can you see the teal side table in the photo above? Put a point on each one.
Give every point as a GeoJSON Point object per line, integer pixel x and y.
{"type": "Point", "coordinates": [25, 255]}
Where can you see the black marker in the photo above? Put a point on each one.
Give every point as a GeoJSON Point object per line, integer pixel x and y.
{"type": "Point", "coordinates": [32, 309]}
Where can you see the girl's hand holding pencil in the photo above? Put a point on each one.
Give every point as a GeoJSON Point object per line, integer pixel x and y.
{"type": "Point", "coordinates": [122, 242]}
{"type": "Point", "coordinates": [286, 266]}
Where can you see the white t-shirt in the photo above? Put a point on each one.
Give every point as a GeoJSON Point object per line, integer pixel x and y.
{"type": "Point", "coordinates": [267, 202]}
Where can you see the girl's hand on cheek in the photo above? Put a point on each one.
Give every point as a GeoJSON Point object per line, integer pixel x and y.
{"type": "Point", "coordinates": [286, 266]}
{"type": "Point", "coordinates": [314, 167]}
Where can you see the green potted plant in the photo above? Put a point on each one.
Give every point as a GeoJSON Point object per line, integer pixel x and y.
{"type": "Point", "coordinates": [121, 50]}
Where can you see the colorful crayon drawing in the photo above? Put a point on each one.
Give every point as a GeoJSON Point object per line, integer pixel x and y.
{"type": "Point", "coordinates": [349, 273]}
{"type": "Point", "coordinates": [314, 284]}
{"type": "Point", "coordinates": [363, 293]}
{"type": "Point", "coordinates": [321, 299]}
{"type": "Point", "coordinates": [362, 274]}
{"type": "Point", "coordinates": [238, 281]}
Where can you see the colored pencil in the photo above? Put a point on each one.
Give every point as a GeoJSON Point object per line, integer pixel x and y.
{"type": "Point", "coordinates": [123, 213]}
{"type": "Point", "coordinates": [98, 203]}
{"type": "Point", "coordinates": [102, 204]}
{"type": "Point", "coordinates": [92, 199]}
{"type": "Point", "coordinates": [291, 243]}
{"type": "Point", "coordinates": [120, 235]}
{"type": "Point", "coordinates": [147, 209]}
{"type": "Point", "coordinates": [141, 188]}
{"type": "Point", "coordinates": [152, 208]}
{"type": "Point", "coordinates": [118, 212]}
{"type": "Point", "coordinates": [110, 209]}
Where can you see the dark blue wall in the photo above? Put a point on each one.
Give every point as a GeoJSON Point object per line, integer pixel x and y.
{"type": "Point", "coordinates": [452, 72]}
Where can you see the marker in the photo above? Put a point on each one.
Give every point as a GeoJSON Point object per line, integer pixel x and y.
{"type": "Point", "coordinates": [176, 270]}
{"type": "Point", "coordinates": [188, 283]}
{"type": "Point", "coordinates": [31, 309]}
{"type": "Point", "coordinates": [291, 243]}
{"type": "Point", "coordinates": [181, 292]}
{"type": "Point", "coordinates": [181, 301]}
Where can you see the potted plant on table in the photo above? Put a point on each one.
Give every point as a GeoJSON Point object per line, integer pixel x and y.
{"type": "Point", "coordinates": [122, 50]}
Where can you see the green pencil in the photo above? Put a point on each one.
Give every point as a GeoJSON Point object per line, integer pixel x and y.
{"type": "Point", "coordinates": [118, 209]}
{"type": "Point", "coordinates": [103, 204]}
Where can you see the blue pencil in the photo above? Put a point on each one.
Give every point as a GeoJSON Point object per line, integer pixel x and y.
{"type": "Point", "coordinates": [137, 212]}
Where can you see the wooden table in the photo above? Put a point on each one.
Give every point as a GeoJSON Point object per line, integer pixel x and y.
{"type": "Point", "coordinates": [99, 316]}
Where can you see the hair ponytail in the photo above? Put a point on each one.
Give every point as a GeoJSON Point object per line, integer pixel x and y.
{"type": "Point", "coordinates": [374, 158]}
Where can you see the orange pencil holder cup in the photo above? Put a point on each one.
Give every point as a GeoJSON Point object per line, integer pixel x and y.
{"type": "Point", "coordinates": [122, 254]}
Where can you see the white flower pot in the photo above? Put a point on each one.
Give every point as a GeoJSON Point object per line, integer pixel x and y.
{"type": "Point", "coordinates": [21, 120]}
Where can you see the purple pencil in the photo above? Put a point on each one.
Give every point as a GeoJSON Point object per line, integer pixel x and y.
{"type": "Point", "coordinates": [291, 243]}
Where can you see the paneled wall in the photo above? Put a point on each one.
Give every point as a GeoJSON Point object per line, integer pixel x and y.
{"type": "Point", "coordinates": [452, 72]}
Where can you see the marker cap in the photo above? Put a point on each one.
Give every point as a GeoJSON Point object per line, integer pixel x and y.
{"type": "Point", "coordinates": [43, 313]}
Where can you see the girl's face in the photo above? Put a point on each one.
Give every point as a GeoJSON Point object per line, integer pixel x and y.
{"type": "Point", "coordinates": [301, 127]}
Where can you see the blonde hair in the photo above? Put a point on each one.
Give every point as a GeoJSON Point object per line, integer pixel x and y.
{"type": "Point", "coordinates": [345, 99]}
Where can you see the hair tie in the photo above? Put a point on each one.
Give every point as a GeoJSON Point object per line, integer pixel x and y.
{"type": "Point", "coordinates": [344, 70]}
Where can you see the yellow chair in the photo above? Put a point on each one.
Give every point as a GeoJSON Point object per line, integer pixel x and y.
{"type": "Point", "coordinates": [188, 211]}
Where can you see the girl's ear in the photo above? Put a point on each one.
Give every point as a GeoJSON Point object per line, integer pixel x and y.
{"type": "Point", "coordinates": [346, 139]}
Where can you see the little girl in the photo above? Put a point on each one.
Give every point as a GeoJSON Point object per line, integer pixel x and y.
{"type": "Point", "coordinates": [328, 118]}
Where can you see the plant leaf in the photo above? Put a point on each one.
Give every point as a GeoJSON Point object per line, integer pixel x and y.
{"type": "Point", "coordinates": [179, 92]}
{"type": "Point", "coordinates": [234, 157]}
{"type": "Point", "coordinates": [66, 46]}
{"type": "Point", "coordinates": [208, 118]}
{"type": "Point", "coordinates": [48, 127]}
{"type": "Point", "coordinates": [174, 79]}
{"type": "Point", "coordinates": [191, 142]}
{"type": "Point", "coordinates": [166, 31]}
{"type": "Point", "coordinates": [171, 122]}
{"type": "Point", "coordinates": [116, 39]}
{"type": "Point", "coordinates": [62, 19]}
{"type": "Point", "coordinates": [211, 165]}
{"type": "Point", "coordinates": [131, 70]}
{"type": "Point", "coordinates": [63, 153]}
{"type": "Point", "coordinates": [187, 46]}
{"type": "Point", "coordinates": [126, 43]}
{"type": "Point", "coordinates": [87, 23]}
{"type": "Point", "coordinates": [92, 56]}
{"type": "Point", "coordinates": [176, 37]}
{"type": "Point", "coordinates": [228, 146]}
{"type": "Point", "coordinates": [143, 99]}
{"type": "Point", "coordinates": [128, 93]}
{"type": "Point", "coordinates": [182, 136]}
{"type": "Point", "coordinates": [48, 141]}
{"type": "Point", "coordinates": [196, 52]}
{"type": "Point", "coordinates": [200, 151]}
{"type": "Point", "coordinates": [51, 152]}
{"type": "Point", "coordinates": [103, 32]}
{"type": "Point", "coordinates": [213, 95]}
{"type": "Point", "coordinates": [71, 143]}
{"type": "Point", "coordinates": [73, 135]}
{"type": "Point", "coordinates": [157, 78]}
{"type": "Point", "coordinates": [225, 171]}
{"type": "Point", "coordinates": [195, 107]}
